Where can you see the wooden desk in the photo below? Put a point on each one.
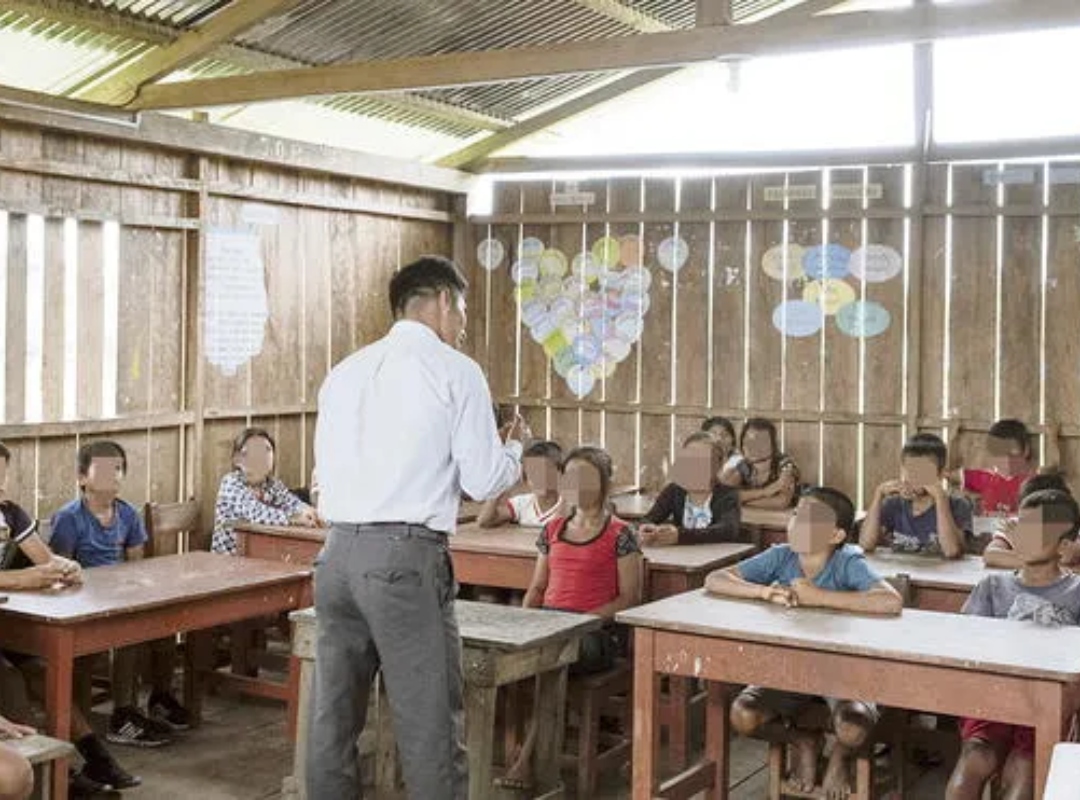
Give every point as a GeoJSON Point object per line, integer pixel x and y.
{"type": "Point", "coordinates": [632, 507]}
{"type": "Point", "coordinates": [290, 544]}
{"type": "Point", "coordinates": [139, 601]}
{"type": "Point", "coordinates": [767, 526]}
{"type": "Point", "coordinates": [994, 669]}
{"type": "Point", "coordinates": [500, 645]}
{"type": "Point", "coordinates": [937, 584]}
{"type": "Point", "coordinates": [1064, 780]}
{"type": "Point", "coordinates": [468, 511]}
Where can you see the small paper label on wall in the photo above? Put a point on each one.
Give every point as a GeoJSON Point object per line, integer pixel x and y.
{"type": "Point", "coordinates": [856, 191]}
{"type": "Point", "coordinates": [1010, 176]}
{"type": "Point", "coordinates": [778, 194]}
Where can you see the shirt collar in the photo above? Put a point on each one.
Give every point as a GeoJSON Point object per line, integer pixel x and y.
{"type": "Point", "coordinates": [408, 327]}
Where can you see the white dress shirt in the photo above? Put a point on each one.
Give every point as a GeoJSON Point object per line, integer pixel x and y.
{"type": "Point", "coordinates": [405, 425]}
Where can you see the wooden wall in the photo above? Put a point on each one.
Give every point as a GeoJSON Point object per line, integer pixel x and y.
{"type": "Point", "coordinates": [328, 253]}
{"type": "Point", "coordinates": [979, 243]}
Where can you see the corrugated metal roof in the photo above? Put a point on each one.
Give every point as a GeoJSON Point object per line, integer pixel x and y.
{"type": "Point", "coordinates": [84, 36]}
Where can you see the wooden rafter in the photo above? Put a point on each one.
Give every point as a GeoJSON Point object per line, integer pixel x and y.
{"type": "Point", "coordinates": [121, 87]}
{"type": "Point", "coordinates": [713, 12]}
{"type": "Point", "coordinates": [626, 15]}
{"type": "Point", "coordinates": [633, 52]}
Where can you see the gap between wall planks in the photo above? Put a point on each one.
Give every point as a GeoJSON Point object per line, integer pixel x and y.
{"type": "Point", "coordinates": [990, 273]}
{"type": "Point", "coordinates": [327, 259]}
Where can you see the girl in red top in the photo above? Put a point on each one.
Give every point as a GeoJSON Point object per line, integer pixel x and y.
{"type": "Point", "coordinates": [589, 563]}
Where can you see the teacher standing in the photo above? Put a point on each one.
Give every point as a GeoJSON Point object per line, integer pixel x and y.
{"type": "Point", "coordinates": [405, 425]}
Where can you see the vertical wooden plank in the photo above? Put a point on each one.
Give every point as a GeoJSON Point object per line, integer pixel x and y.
{"type": "Point", "coordinates": [316, 257]}
{"type": "Point", "coordinates": [136, 486]}
{"type": "Point", "coordinates": [20, 143]}
{"type": "Point", "coordinates": [691, 351]}
{"type": "Point", "coordinates": [22, 474]}
{"type": "Point", "coordinates": [104, 198]}
{"type": "Point", "coordinates": [535, 367]}
{"type": "Point", "coordinates": [930, 359]}
{"type": "Point", "coordinates": [591, 423]}
{"type": "Point", "coordinates": [499, 305]}
{"type": "Point", "coordinates": [56, 474]}
{"type": "Point", "coordinates": [730, 279]}
{"type": "Point", "coordinates": [972, 352]}
{"type": "Point", "coordinates": [344, 289]}
{"type": "Point", "coordinates": [217, 442]}
{"type": "Point", "coordinates": [15, 320]}
{"type": "Point", "coordinates": [568, 239]}
{"type": "Point", "coordinates": [52, 370]}
{"type": "Point", "coordinates": [166, 334]}
{"type": "Point", "coordinates": [164, 464]}
{"type": "Point", "coordinates": [135, 328]}
{"type": "Point", "coordinates": [90, 320]}
{"type": "Point", "coordinates": [881, 455]}
{"type": "Point", "coordinates": [1062, 354]}
{"type": "Point", "coordinates": [276, 376]}
{"type": "Point", "coordinates": [65, 148]}
{"type": "Point", "coordinates": [765, 343]}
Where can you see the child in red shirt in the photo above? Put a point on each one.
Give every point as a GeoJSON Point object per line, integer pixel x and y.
{"type": "Point", "coordinates": [589, 562]}
{"type": "Point", "coordinates": [1008, 458]}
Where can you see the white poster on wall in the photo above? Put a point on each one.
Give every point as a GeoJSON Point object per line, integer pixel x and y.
{"type": "Point", "coordinates": [235, 305]}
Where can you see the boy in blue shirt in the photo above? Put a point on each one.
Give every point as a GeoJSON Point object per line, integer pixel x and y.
{"type": "Point", "coordinates": [816, 569]}
{"type": "Point", "coordinates": [99, 529]}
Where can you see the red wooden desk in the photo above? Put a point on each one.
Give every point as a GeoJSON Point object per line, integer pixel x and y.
{"type": "Point", "coordinates": [139, 601]}
{"type": "Point", "coordinates": [767, 526]}
{"type": "Point", "coordinates": [1018, 673]}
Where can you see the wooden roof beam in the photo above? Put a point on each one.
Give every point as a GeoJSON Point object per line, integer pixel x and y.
{"type": "Point", "coordinates": [121, 87]}
{"type": "Point", "coordinates": [626, 15]}
{"type": "Point", "coordinates": [676, 48]}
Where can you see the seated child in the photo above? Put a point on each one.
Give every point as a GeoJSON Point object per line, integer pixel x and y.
{"type": "Point", "coordinates": [44, 571]}
{"type": "Point", "coordinates": [1041, 591]}
{"type": "Point", "coordinates": [540, 464]}
{"type": "Point", "coordinates": [16, 774]}
{"type": "Point", "coordinates": [589, 562]}
{"type": "Point", "coordinates": [723, 432]}
{"type": "Point", "coordinates": [100, 529]}
{"type": "Point", "coordinates": [1000, 552]}
{"type": "Point", "coordinates": [251, 493]}
{"type": "Point", "coordinates": [815, 569]}
{"type": "Point", "coordinates": [916, 514]}
{"type": "Point", "coordinates": [765, 477]}
{"type": "Point", "coordinates": [1009, 460]}
{"type": "Point", "coordinates": [695, 507]}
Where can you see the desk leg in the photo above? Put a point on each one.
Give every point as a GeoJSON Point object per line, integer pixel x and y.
{"type": "Point", "coordinates": [680, 690]}
{"type": "Point", "coordinates": [550, 727]}
{"type": "Point", "coordinates": [292, 708]}
{"type": "Point", "coordinates": [1051, 726]}
{"type": "Point", "coordinates": [718, 739]}
{"type": "Point", "coordinates": [646, 697]}
{"type": "Point", "coordinates": [198, 658]}
{"type": "Point", "coordinates": [480, 735]}
{"type": "Point", "coordinates": [59, 660]}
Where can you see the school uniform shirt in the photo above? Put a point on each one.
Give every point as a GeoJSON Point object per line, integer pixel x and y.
{"type": "Point", "coordinates": [1004, 596]}
{"type": "Point", "coordinates": [846, 570]}
{"type": "Point", "coordinates": [16, 526]}
{"type": "Point", "coordinates": [269, 503]}
{"type": "Point", "coordinates": [908, 532]}
{"type": "Point", "coordinates": [584, 575]}
{"type": "Point", "coordinates": [715, 521]}
{"type": "Point", "coordinates": [997, 492]}
{"type": "Point", "coordinates": [77, 533]}
{"type": "Point", "coordinates": [525, 510]}
{"type": "Point", "coordinates": [405, 426]}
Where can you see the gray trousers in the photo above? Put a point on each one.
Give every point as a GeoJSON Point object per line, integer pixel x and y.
{"type": "Point", "coordinates": [384, 598]}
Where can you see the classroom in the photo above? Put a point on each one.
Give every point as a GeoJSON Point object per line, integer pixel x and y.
{"type": "Point", "coordinates": [461, 400]}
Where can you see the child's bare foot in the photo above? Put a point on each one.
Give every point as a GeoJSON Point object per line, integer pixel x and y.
{"type": "Point", "coordinates": [837, 781]}
{"type": "Point", "coordinates": [805, 751]}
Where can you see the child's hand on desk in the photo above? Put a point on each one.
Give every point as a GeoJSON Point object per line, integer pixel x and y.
{"type": "Point", "coordinates": [43, 576]}
{"type": "Point", "coordinates": [658, 535]}
{"type": "Point", "coordinates": [778, 595]}
{"type": "Point", "coordinates": [803, 593]}
{"type": "Point", "coordinates": [71, 569]}
{"type": "Point", "coordinates": [13, 730]}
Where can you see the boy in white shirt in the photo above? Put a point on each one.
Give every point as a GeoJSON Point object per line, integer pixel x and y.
{"type": "Point", "coordinates": [535, 508]}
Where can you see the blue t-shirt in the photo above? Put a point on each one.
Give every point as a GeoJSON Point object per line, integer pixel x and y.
{"type": "Point", "coordinates": [910, 533]}
{"type": "Point", "coordinates": [77, 533]}
{"type": "Point", "coordinates": [846, 570]}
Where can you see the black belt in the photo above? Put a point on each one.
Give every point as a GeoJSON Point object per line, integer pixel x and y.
{"type": "Point", "coordinates": [411, 529]}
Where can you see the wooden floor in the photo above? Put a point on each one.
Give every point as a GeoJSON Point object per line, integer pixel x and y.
{"type": "Point", "coordinates": [241, 753]}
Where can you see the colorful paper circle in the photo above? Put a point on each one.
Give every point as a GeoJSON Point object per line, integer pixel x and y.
{"type": "Point", "coordinates": [673, 253]}
{"type": "Point", "coordinates": [531, 247]}
{"type": "Point", "coordinates": [562, 361]}
{"type": "Point", "coordinates": [585, 267]}
{"type": "Point", "coordinates": [587, 349]}
{"type": "Point", "coordinates": [783, 262]}
{"type": "Point", "coordinates": [826, 261]}
{"type": "Point", "coordinates": [830, 294]}
{"type": "Point", "coordinates": [580, 380]}
{"type": "Point", "coordinates": [798, 318]}
{"type": "Point", "coordinates": [616, 348]}
{"type": "Point", "coordinates": [636, 279]}
{"type": "Point", "coordinates": [490, 253]}
{"type": "Point", "coordinates": [629, 325]}
{"type": "Point", "coordinates": [549, 288]}
{"type": "Point", "coordinates": [630, 250]}
{"type": "Point", "coordinates": [876, 263]}
{"type": "Point", "coordinates": [533, 311]}
{"type": "Point", "coordinates": [553, 263]}
{"type": "Point", "coordinates": [863, 319]}
{"type": "Point", "coordinates": [606, 251]}
{"type": "Point", "coordinates": [525, 271]}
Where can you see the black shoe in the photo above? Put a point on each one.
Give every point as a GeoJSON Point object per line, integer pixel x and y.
{"type": "Point", "coordinates": [165, 708]}
{"type": "Point", "coordinates": [100, 765]}
{"type": "Point", "coordinates": [82, 787]}
{"type": "Point", "coordinates": [128, 727]}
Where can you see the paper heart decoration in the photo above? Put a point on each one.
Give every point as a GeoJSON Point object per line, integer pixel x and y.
{"type": "Point", "coordinates": [587, 312]}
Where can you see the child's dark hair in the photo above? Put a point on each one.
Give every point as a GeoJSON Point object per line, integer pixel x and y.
{"type": "Point", "coordinates": [719, 422]}
{"type": "Point", "coordinates": [760, 424]}
{"type": "Point", "coordinates": [839, 502]}
{"type": "Point", "coordinates": [1063, 505]}
{"type": "Point", "coordinates": [1050, 478]}
{"type": "Point", "coordinates": [247, 434]}
{"type": "Point", "coordinates": [544, 448]}
{"type": "Point", "coordinates": [1012, 430]}
{"type": "Point", "coordinates": [599, 458]}
{"type": "Point", "coordinates": [5, 453]}
{"type": "Point", "coordinates": [103, 448]}
{"type": "Point", "coordinates": [926, 445]}
{"type": "Point", "coordinates": [428, 275]}
{"type": "Point", "coordinates": [699, 436]}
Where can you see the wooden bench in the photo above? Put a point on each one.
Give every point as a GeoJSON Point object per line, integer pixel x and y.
{"type": "Point", "coordinates": [41, 752]}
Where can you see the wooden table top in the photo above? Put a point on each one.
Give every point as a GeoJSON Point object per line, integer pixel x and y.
{"type": "Point", "coordinates": [978, 644]}
{"type": "Point", "coordinates": [775, 518]}
{"type": "Point", "coordinates": [520, 541]}
{"type": "Point", "coordinates": [931, 572]}
{"type": "Point", "coordinates": [285, 531]}
{"type": "Point", "coordinates": [493, 626]}
{"type": "Point", "coordinates": [147, 584]}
